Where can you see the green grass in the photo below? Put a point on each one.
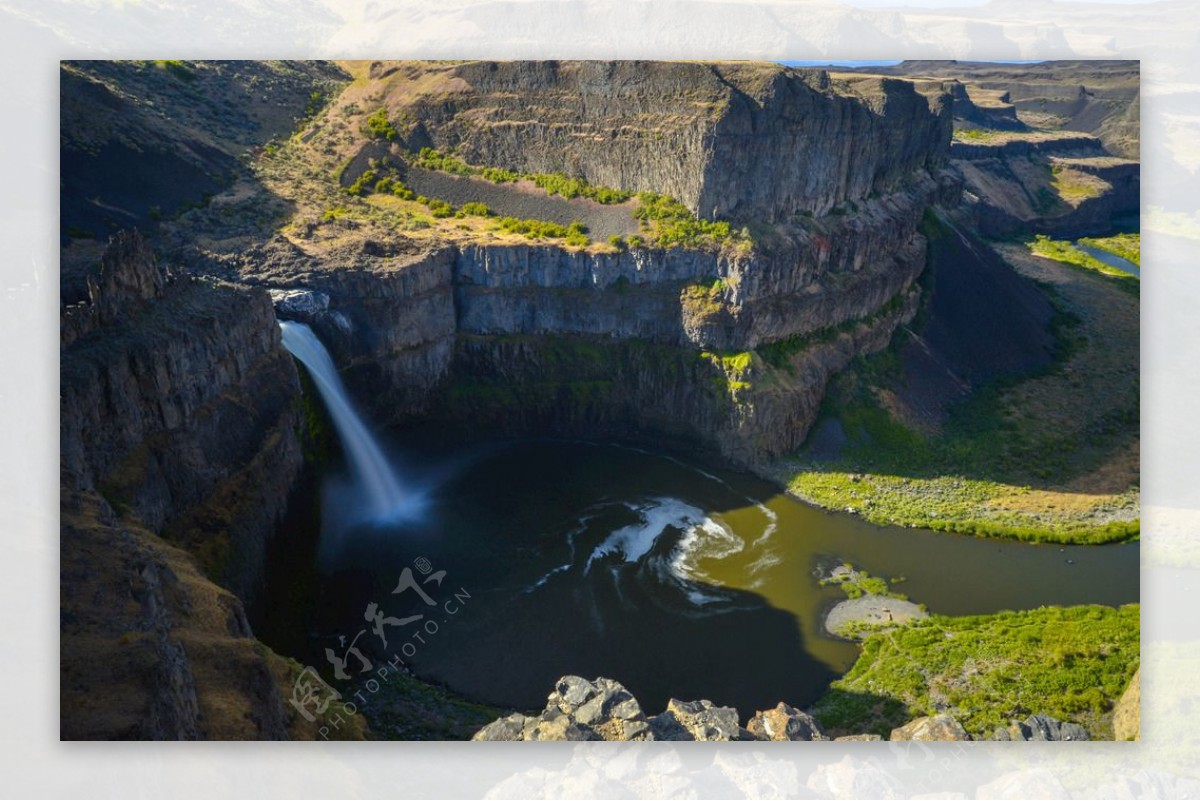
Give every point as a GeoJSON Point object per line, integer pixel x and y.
{"type": "Point", "coordinates": [1067, 253]}
{"type": "Point", "coordinates": [1070, 663]}
{"type": "Point", "coordinates": [858, 583]}
{"type": "Point", "coordinates": [1043, 457]}
{"type": "Point", "coordinates": [963, 479]}
{"type": "Point", "coordinates": [556, 183]}
{"type": "Point", "coordinates": [974, 135]}
{"type": "Point", "coordinates": [572, 234]}
{"type": "Point", "coordinates": [1127, 246]}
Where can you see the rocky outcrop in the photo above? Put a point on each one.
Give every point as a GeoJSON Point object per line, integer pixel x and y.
{"type": "Point", "coordinates": [737, 140]}
{"type": "Point", "coordinates": [127, 278]}
{"type": "Point", "coordinates": [784, 722]}
{"type": "Point", "coordinates": [179, 404]}
{"type": "Point", "coordinates": [870, 611]}
{"type": "Point", "coordinates": [602, 709]}
{"type": "Point", "coordinates": [934, 727]}
{"type": "Point", "coordinates": [1065, 185]}
{"type": "Point", "coordinates": [1127, 714]}
{"type": "Point", "coordinates": [1042, 728]}
{"type": "Point", "coordinates": [179, 426]}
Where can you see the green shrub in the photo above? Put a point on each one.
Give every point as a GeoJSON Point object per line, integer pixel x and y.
{"type": "Point", "coordinates": [674, 223]}
{"type": "Point", "coordinates": [498, 175]}
{"type": "Point", "coordinates": [439, 208]}
{"type": "Point", "coordinates": [474, 209]}
{"type": "Point", "coordinates": [556, 183]}
{"type": "Point", "coordinates": [379, 127]}
{"type": "Point", "coordinates": [431, 159]}
{"type": "Point", "coordinates": [538, 229]}
{"type": "Point", "coordinates": [617, 241]}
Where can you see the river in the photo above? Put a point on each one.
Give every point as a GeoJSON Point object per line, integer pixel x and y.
{"type": "Point", "coordinates": [674, 579]}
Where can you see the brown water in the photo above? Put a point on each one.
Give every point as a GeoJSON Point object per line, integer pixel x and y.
{"type": "Point", "coordinates": [674, 579]}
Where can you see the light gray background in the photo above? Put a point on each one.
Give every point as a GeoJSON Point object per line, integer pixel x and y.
{"type": "Point", "coordinates": [35, 34]}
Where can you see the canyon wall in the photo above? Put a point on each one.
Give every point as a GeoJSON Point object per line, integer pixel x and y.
{"type": "Point", "coordinates": [179, 447]}
{"type": "Point", "coordinates": [724, 348]}
{"type": "Point", "coordinates": [738, 140]}
{"type": "Point", "coordinates": [658, 344]}
{"type": "Point", "coordinates": [179, 404]}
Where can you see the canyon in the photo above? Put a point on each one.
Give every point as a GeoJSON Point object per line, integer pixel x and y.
{"type": "Point", "coordinates": [186, 430]}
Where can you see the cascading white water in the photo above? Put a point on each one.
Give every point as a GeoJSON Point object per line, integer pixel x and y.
{"type": "Point", "coordinates": [383, 490]}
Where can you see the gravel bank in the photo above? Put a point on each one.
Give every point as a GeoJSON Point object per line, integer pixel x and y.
{"type": "Point", "coordinates": [872, 609]}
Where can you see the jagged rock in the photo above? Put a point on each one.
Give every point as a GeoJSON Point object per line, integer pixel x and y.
{"type": "Point", "coordinates": [1127, 713]}
{"type": "Point", "coordinates": [697, 720]}
{"type": "Point", "coordinates": [578, 709]}
{"type": "Point", "coordinates": [556, 725]}
{"type": "Point", "coordinates": [602, 709]}
{"type": "Point", "coordinates": [127, 278]}
{"type": "Point", "coordinates": [933, 727]}
{"type": "Point", "coordinates": [1042, 728]}
{"type": "Point", "coordinates": [503, 729]}
{"type": "Point", "coordinates": [784, 723]}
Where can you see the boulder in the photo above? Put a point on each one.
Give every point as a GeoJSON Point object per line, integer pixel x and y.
{"type": "Point", "coordinates": [578, 709]}
{"type": "Point", "coordinates": [934, 727]}
{"type": "Point", "coordinates": [1042, 728]}
{"type": "Point", "coordinates": [784, 722]}
{"type": "Point", "coordinates": [305, 305]}
{"type": "Point", "coordinates": [504, 729]}
{"type": "Point", "coordinates": [698, 720]}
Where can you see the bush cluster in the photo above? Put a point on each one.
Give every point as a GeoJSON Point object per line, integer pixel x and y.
{"type": "Point", "coordinates": [674, 223]}
{"type": "Point", "coordinates": [379, 127]}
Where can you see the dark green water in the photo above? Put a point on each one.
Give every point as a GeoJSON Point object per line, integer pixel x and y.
{"type": "Point", "coordinates": [672, 579]}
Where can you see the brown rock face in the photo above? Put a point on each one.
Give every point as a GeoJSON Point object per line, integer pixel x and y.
{"type": "Point", "coordinates": [1127, 715]}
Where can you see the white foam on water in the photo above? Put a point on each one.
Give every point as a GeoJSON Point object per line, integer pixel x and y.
{"type": "Point", "coordinates": [634, 541]}
{"type": "Point", "coordinates": [767, 560]}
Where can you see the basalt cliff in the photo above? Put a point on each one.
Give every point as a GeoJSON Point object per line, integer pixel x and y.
{"type": "Point", "coordinates": [722, 345]}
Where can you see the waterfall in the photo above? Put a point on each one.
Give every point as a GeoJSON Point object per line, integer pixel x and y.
{"type": "Point", "coordinates": [373, 473]}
